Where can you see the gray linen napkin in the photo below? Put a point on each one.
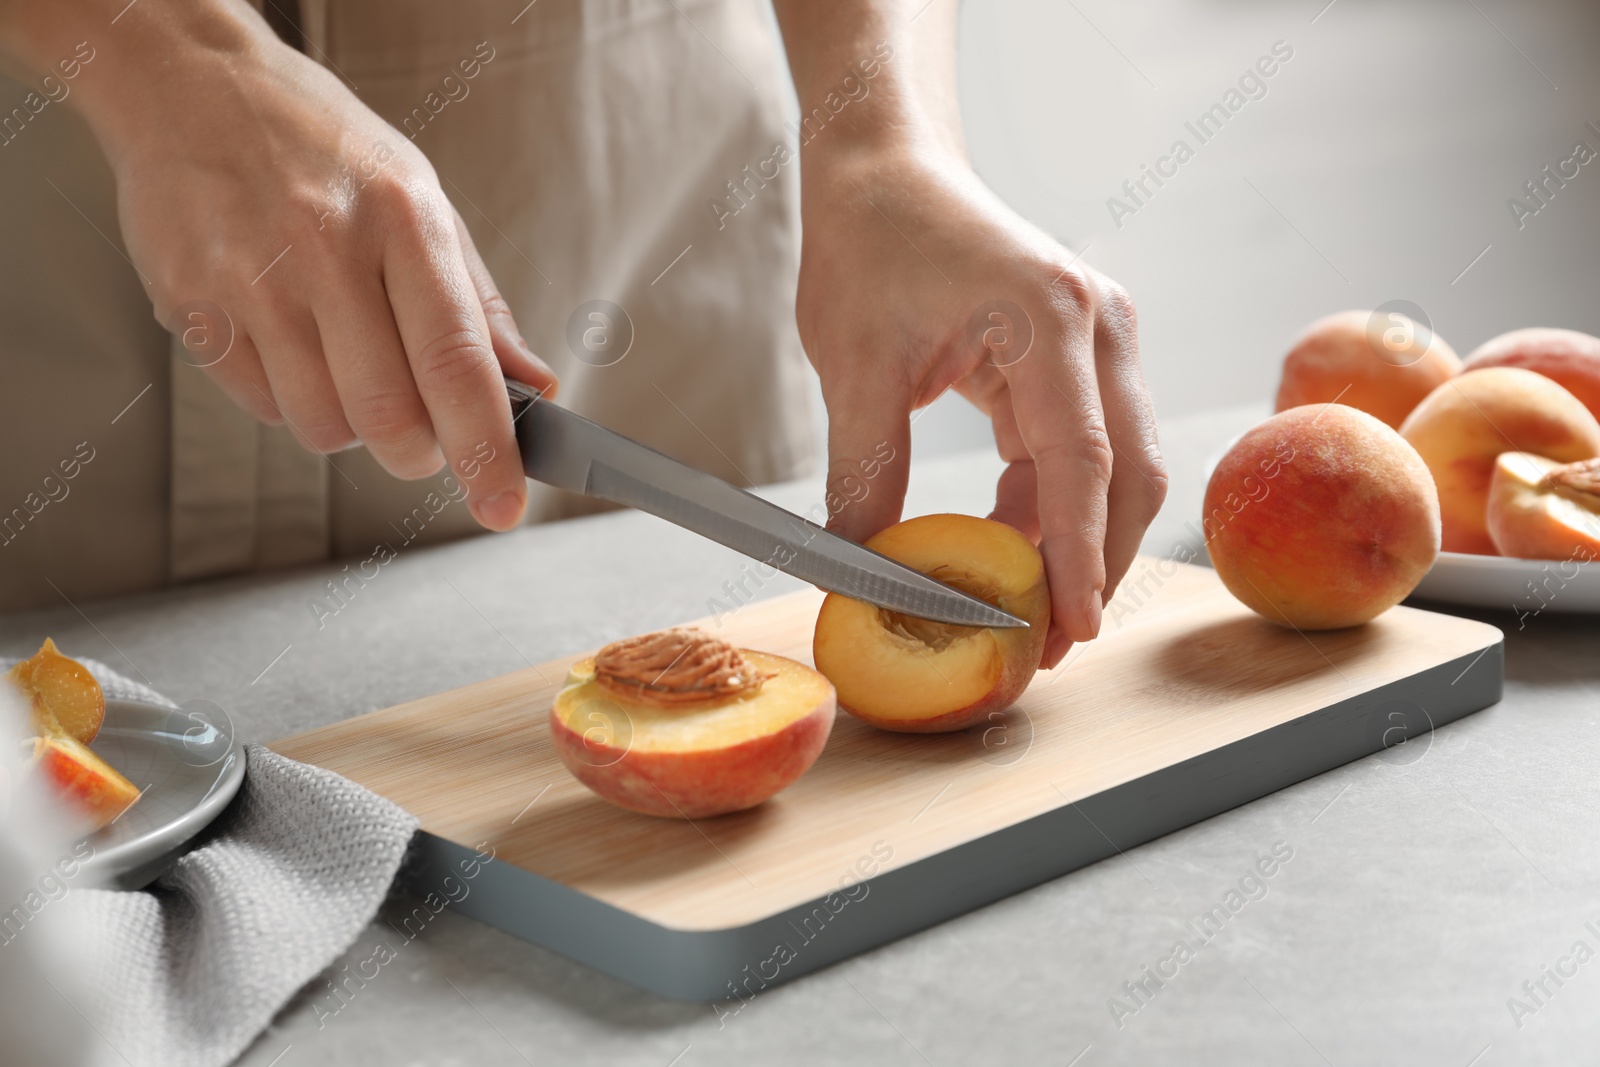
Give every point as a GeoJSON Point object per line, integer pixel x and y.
{"type": "Point", "coordinates": [190, 969]}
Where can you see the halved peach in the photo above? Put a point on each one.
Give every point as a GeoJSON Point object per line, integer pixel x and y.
{"type": "Point", "coordinates": [1541, 509]}
{"type": "Point", "coordinates": [681, 724]}
{"type": "Point", "coordinates": [1465, 423]}
{"type": "Point", "coordinates": [64, 696]}
{"type": "Point", "coordinates": [915, 676]}
{"type": "Point", "coordinates": [91, 786]}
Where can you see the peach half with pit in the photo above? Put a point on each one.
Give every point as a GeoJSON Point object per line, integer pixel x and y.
{"type": "Point", "coordinates": [915, 676]}
{"type": "Point", "coordinates": [1541, 509]}
{"type": "Point", "coordinates": [1464, 424]}
{"type": "Point", "coordinates": [681, 724]}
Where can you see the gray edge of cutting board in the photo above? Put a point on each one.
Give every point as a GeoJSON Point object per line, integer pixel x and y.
{"type": "Point", "coordinates": [709, 965]}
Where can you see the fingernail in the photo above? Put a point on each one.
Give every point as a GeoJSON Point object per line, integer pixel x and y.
{"type": "Point", "coordinates": [1091, 613]}
{"type": "Point", "coordinates": [1056, 646]}
{"type": "Point", "coordinates": [501, 511]}
{"type": "Point", "coordinates": [549, 371]}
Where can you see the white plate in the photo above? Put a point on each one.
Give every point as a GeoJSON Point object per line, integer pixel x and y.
{"type": "Point", "coordinates": [1525, 586]}
{"type": "Point", "coordinates": [188, 765]}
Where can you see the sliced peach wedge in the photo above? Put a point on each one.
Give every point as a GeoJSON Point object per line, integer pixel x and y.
{"type": "Point", "coordinates": [681, 724]}
{"type": "Point", "coordinates": [64, 697]}
{"type": "Point", "coordinates": [68, 708]}
{"type": "Point", "coordinates": [1541, 509]}
{"type": "Point", "coordinates": [91, 787]}
{"type": "Point", "coordinates": [915, 676]}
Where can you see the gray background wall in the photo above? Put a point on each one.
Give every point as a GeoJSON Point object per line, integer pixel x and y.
{"type": "Point", "coordinates": [1384, 153]}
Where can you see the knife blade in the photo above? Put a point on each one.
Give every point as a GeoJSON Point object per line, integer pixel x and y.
{"type": "Point", "coordinates": [566, 450]}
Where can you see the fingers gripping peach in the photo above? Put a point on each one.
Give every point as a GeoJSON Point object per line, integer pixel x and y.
{"type": "Point", "coordinates": [916, 676]}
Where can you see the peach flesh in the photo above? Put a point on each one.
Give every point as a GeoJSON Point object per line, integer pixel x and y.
{"type": "Point", "coordinates": [1541, 509]}
{"type": "Point", "coordinates": [1321, 517]}
{"type": "Point", "coordinates": [915, 676]}
{"type": "Point", "coordinates": [1464, 424]}
{"type": "Point", "coordinates": [697, 760]}
{"type": "Point", "coordinates": [64, 696]}
{"type": "Point", "coordinates": [90, 785]}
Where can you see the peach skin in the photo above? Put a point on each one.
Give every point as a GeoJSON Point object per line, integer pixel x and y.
{"type": "Point", "coordinates": [1321, 517]}
{"type": "Point", "coordinates": [94, 789]}
{"type": "Point", "coordinates": [1567, 357]}
{"type": "Point", "coordinates": [1381, 366]}
{"type": "Point", "coordinates": [1464, 424]}
{"type": "Point", "coordinates": [680, 724]}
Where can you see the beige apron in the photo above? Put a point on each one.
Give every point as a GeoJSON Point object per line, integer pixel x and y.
{"type": "Point", "coordinates": [584, 151]}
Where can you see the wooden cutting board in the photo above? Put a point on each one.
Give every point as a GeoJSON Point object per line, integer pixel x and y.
{"type": "Point", "coordinates": [1186, 706]}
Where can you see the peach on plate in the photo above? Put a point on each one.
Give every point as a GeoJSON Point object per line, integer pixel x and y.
{"type": "Point", "coordinates": [1382, 364]}
{"type": "Point", "coordinates": [63, 696]}
{"type": "Point", "coordinates": [1321, 517]}
{"type": "Point", "coordinates": [67, 708]}
{"type": "Point", "coordinates": [92, 788]}
{"type": "Point", "coordinates": [916, 676]}
{"type": "Point", "coordinates": [1567, 357]}
{"type": "Point", "coordinates": [1464, 424]}
{"type": "Point", "coordinates": [1541, 509]}
{"type": "Point", "coordinates": [682, 724]}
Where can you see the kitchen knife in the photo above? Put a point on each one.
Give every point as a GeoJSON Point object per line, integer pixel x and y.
{"type": "Point", "coordinates": [568, 451]}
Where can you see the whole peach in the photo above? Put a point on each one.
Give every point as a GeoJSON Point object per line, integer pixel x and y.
{"type": "Point", "coordinates": [1464, 424]}
{"type": "Point", "coordinates": [1567, 357]}
{"type": "Point", "coordinates": [1383, 365]}
{"type": "Point", "coordinates": [1321, 517]}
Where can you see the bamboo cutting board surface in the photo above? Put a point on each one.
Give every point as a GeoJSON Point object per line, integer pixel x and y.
{"type": "Point", "coordinates": [1180, 670]}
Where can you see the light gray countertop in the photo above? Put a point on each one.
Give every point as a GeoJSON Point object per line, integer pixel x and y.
{"type": "Point", "coordinates": [1420, 895]}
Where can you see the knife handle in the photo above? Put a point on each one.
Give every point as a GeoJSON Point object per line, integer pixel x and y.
{"type": "Point", "coordinates": [521, 397]}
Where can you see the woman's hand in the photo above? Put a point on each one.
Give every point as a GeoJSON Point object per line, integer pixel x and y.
{"type": "Point", "coordinates": [250, 180]}
{"type": "Point", "coordinates": [915, 279]}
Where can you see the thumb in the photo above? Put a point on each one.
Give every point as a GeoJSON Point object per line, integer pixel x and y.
{"type": "Point", "coordinates": [869, 461]}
